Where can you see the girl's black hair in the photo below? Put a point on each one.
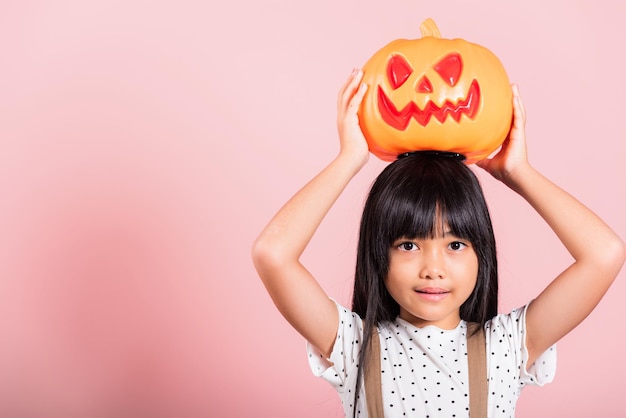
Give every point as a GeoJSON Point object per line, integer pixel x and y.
{"type": "Point", "coordinates": [410, 198]}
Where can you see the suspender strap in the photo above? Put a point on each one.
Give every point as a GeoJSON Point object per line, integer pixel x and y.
{"type": "Point", "coordinates": [373, 384]}
{"type": "Point", "coordinates": [477, 369]}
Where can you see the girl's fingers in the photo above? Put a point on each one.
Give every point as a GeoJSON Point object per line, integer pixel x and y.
{"type": "Point", "coordinates": [348, 90]}
{"type": "Point", "coordinates": [341, 97]}
{"type": "Point", "coordinates": [356, 100]}
{"type": "Point", "coordinates": [518, 107]}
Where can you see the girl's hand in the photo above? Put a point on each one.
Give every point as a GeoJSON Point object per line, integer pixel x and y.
{"type": "Point", "coordinates": [351, 137]}
{"type": "Point", "coordinates": [512, 154]}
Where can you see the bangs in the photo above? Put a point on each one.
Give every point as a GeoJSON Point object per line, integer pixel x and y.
{"type": "Point", "coordinates": [429, 197]}
{"type": "Point", "coordinates": [420, 214]}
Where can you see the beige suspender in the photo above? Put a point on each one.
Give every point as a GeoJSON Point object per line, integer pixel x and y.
{"type": "Point", "coordinates": [373, 385]}
{"type": "Point", "coordinates": [477, 369]}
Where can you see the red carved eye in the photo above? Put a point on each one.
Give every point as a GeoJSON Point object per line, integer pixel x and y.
{"type": "Point", "coordinates": [398, 71]}
{"type": "Point", "coordinates": [449, 68]}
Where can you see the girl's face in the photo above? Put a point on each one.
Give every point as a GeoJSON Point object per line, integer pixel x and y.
{"type": "Point", "coordinates": [431, 278]}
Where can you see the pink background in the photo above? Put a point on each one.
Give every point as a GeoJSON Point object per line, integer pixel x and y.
{"type": "Point", "coordinates": [144, 144]}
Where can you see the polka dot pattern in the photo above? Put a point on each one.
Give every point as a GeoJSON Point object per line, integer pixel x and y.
{"type": "Point", "coordinates": [424, 370]}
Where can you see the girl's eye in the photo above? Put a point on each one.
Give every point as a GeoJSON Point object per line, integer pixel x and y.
{"type": "Point", "coordinates": [407, 246]}
{"type": "Point", "coordinates": [457, 245]}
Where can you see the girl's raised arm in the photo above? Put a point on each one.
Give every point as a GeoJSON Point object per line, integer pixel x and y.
{"type": "Point", "coordinates": [597, 251]}
{"type": "Point", "coordinates": [276, 252]}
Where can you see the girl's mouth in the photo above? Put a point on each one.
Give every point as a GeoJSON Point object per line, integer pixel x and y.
{"type": "Point", "coordinates": [433, 294]}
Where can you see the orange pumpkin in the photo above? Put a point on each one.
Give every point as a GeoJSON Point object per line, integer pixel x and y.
{"type": "Point", "coordinates": [435, 94]}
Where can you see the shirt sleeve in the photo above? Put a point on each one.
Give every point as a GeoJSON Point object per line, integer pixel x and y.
{"type": "Point", "coordinates": [507, 342]}
{"type": "Point", "coordinates": [340, 370]}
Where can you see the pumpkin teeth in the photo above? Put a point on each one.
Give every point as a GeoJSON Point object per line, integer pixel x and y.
{"type": "Point", "coordinates": [400, 119]}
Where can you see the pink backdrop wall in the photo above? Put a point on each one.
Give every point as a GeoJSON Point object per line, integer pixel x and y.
{"type": "Point", "coordinates": [144, 144]}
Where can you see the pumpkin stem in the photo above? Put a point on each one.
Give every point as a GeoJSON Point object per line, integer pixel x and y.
{"type": "Point", "coordinates": [429, 28]}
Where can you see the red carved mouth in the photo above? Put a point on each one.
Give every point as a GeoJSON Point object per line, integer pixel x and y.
{"type": "Point", "coordinates": [400, 119]}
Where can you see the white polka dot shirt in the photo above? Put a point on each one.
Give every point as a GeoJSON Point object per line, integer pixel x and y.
{"type": "Point", "coordinates": [424, 370]}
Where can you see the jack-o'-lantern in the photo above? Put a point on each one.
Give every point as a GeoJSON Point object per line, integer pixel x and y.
{"type": "Point", "coordinates": [435, 94]}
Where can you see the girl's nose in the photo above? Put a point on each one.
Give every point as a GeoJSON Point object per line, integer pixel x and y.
{"type": "Point", "coordinates": [432, 266]}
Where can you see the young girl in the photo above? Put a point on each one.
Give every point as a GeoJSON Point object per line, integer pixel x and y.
{"type": "Point", "coordinates": [426, 267]}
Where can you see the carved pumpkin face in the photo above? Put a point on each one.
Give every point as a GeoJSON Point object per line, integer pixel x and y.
{"type": "Point", "coordinates": [435, 94]}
